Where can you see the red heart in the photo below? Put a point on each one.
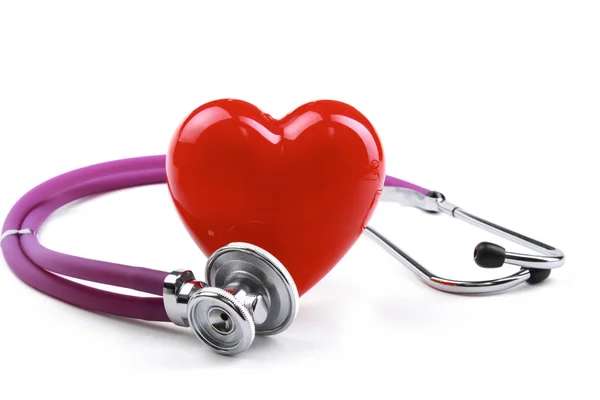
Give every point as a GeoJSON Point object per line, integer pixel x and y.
{"type": "Point", "coordinates": [302, 187]}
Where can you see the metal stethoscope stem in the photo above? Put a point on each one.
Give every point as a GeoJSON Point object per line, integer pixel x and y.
{"type": "Point", "coordinates": [534, 268]}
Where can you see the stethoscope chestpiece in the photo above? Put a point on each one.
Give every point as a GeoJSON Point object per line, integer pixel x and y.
{"type": "Point", "coordinates": [221, 320]}
{"type": "Point", "coordinates": [247, 292]}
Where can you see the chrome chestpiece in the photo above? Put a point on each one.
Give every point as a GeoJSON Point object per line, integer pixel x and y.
{"type": "Point", "coordinates": [247, 292]}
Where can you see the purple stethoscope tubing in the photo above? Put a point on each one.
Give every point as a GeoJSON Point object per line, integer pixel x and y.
{"type": "Point", "coordinates": [38, 266]}
{"type": "Point", "coordinates": [32, 263]}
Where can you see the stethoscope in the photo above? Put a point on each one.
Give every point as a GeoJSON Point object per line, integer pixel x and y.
{"type": "Point", "coordinates": [246, 291]}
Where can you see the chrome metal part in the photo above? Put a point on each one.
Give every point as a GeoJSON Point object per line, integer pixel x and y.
{"type": "Point", "coordinates": [409, 198]}
{"type": "Point", "coordinates": [436, 202]}
{"type": "Point", "coordinates": [443, 284]}
{"type": "Point", "coordinates": [256, 277]}
{"type": "Point", "coordinates": [221, 321]}
{"type": "Point", "coordinates": [248, 292]}
{"type": "Point", "coordinates": [533, 261]}
{"type": "Point", "coordinates": [178, 289]}
{"type": "Point", "coordinates": [553, 258]}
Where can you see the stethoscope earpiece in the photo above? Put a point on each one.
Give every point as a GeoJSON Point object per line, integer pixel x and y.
{"type": "Point", "coordinates": [489, 255]}
{"type": "Point", "coordinates": [248, 292]}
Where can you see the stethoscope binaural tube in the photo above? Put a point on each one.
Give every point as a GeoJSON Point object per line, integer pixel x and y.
{"type": "Point", "coordinates": [534, 268]}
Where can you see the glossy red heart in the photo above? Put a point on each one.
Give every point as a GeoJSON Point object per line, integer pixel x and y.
{"type": "Point", "coordinates": [302, 187]}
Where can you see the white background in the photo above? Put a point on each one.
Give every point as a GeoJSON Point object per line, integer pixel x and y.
{"type": "Point", "coordinates": [495, 104]}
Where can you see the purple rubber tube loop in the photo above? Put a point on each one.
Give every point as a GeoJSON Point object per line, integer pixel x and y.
{"type": "Point", "coordinates": [136, 278]}
{"type": "Point", "coordinates": [390, 181]}
{"type": "Point", "coordinates": [23, 253]}
{"type": "Point", "coordinates": [146, 308]}
{"type": "Point", "coordinates": [82, 296]}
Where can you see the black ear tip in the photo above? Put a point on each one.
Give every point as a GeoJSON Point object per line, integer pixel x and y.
{"type": "Point", "coordinates": [489, 255]}
{"type": "Point", "coordinates": [538, 275]}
